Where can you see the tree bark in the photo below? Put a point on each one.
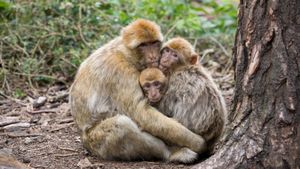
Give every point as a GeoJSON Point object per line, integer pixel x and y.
{"type": "Point", "coordinates": [264, 122]}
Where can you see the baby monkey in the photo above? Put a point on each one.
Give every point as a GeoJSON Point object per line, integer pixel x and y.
{"type": "Point", "coordinates": [154, 84]}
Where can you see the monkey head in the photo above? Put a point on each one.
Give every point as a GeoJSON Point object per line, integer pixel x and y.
{"type": "Point", "coordinates": [153, 83]}
{"type": "Point", "coordinates": [145, 38]}
{"type": "Point", "coordinates": [175, 53]}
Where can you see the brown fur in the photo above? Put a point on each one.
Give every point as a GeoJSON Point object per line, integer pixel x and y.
{"type": "Point", "coordinates": [182, 47]}
{"type": "Point", "coordinates": [151, 74]}
{"type": "Point", "coordinates": [154, 84]}
{"type": "Point", "coordinates": [7, 162]}
{"type": "Point", "coordinates": [141, 31]}
{"type": "Point", "coordinates": [192, 97]}
{"type": "Point", "coordinates": [109, 107]}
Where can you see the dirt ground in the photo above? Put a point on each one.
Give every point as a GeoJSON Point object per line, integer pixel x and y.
{"type": "Point", "coordinates": [39, 131]}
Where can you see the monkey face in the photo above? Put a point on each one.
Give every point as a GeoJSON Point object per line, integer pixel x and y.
{"type": "Point", "coordinates": [151, 52]}
{"type": "Point", "coordinates": [153, 91]}
{"type": "Point", "coordinates": [169, 58]}
{"type": "Point", "coordinates": [153, 83]}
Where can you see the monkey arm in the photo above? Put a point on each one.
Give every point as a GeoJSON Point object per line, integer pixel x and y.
{"type": "Point", "coordinates": [134, 104]}
{"type": "Point", "coordinates": [168, 129]}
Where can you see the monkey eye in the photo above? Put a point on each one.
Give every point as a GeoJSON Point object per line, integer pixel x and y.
{"type": "Point", "coordinates": [155, 42]}
{"type": "Point", "coordinates": [175, 55]}
{"type": "Point", "coordinates": [146, 85]}
{"type": "Point", "coordinates": [156, 83]}
{"type": "Point", "coordinates": [166, 50]}
{"type": "Point", "coordinates": [143, 45]}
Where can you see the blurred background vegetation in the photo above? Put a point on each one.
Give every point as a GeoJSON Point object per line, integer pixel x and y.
{"type": "Point", "coordinates": [43, 42]}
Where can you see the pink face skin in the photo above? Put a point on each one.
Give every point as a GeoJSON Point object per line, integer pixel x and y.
{"type": "Point", "coordinates": [153, 91]}
{"type": "Point", "coordinates": [168, 59]}
{"type": "Point", "coordinates": [151, 52]}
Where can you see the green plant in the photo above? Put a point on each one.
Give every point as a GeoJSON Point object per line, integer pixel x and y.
{"type": "Point", "coordinates": [41, 41]}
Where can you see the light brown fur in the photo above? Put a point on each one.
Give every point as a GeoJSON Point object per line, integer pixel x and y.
{"type": "Point", "coordinates": [154, 84]}
{"type": "Point", "coordinates": [110, 109]}
{"type": "Point", "coordinates": [184, 48]}
{"type": "Point", "coordinates": [8, 162]}
{"type": "Point", "coordinates": [192, 97]}
{"type": "Point", "coordinates": [151, 74]}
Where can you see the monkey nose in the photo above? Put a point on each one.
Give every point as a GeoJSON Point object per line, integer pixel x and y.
{"type": "Point", "coordinates": [153, 95]}
{"type": "Point", "coordinates": [152, 64]}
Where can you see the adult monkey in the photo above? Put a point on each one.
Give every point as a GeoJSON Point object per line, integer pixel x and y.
{"type": "Point", "coordinates": [109, 106]}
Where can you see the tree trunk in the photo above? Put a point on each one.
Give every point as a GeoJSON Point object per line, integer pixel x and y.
{"type": "Point", "coordinates": [264, 123]}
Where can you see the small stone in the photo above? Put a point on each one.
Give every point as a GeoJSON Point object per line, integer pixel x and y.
{"type": "Point", "coordinates": [28, 140]}
{"type": "Point", "coordinates": [35, 119]}
{"type": "Point", "coordinates": [84, 163]}
{"type": "Point", "coordinates": [26, 160]}
{"type": "Point", "coordinates": [39, 102]}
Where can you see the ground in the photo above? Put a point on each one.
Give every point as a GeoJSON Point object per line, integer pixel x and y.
{"type": "Point", "coordinates": [40, 132]}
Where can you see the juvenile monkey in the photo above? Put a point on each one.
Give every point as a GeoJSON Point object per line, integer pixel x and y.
{"type": "Point", "coordinates": [192, 97]}
{"type": "Point", "coordinates": [154, 84]}
{"type": "Point", "coordinates": [110, 109]}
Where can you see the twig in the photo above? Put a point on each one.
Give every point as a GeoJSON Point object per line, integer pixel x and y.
{"type": "Point", "coordinates": [195, 43]}
{"type": "Point", "coordinates": [65, 155]}
{"type": "Point", "coordinates": [30, 84]}
{"type": "Point", "coordinates": [6, 123]}
{"type": "Point", "coordinates": [79, 27]}
{"type": "Point", "coordinates": [5, 82]}
{"type": "Point", "coordinates": [67, 120]}
{"type": "Point", "coordinates": [171, 29]}
{"type": "Point", "coordinates": [220, 45]}
{"type": "Point", "coordinates": [205, 53]}
{"type": "Point", "coordinates": [61, 127]}
{"type": "Point", "coordinates": [43, 111]}
{"type": "Point", "coordinates": [35, 47]}
{"type": "Point", "coordinates": [38, 75]}
{"type": "Point", "coordinates": [65, 60]}
{"type": "Point", "coordinates": [20, 135]}
{"type": "Point", "coordinates": [13, 99]}
{"type": "Point", "coordinates": [67, 149]}
{"type": "Point", "coordinates": [16, 45]}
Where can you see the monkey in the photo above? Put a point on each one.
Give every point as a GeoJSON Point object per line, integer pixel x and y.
{"type": "Point", "coordinates": [192, 97]}
{"type": "Point", "coordinates": [154, 84]}
{"type": "Point", "coordinates": [109, 107]}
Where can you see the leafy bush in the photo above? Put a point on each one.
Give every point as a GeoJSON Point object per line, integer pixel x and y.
{"type": "Point", "coordinates": [46, 40]}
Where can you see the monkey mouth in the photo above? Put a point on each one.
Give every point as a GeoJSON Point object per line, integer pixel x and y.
{"type": "Point", "coordinates": [154, 100]}
{"type": "Point", "coordinates": [163, 67]}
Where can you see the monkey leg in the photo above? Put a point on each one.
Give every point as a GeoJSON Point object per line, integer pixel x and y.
{"type": "Point", "coordinates": [119, 138]}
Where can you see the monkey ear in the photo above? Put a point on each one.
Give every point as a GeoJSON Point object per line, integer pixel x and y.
{"type": "Point", "coordinates": [194, 59]}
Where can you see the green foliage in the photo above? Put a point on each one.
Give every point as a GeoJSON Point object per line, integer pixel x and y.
{"type": "Point", "coordinates": [18, 93]}
{"type": "Point", "coordinates": [49, 39]}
